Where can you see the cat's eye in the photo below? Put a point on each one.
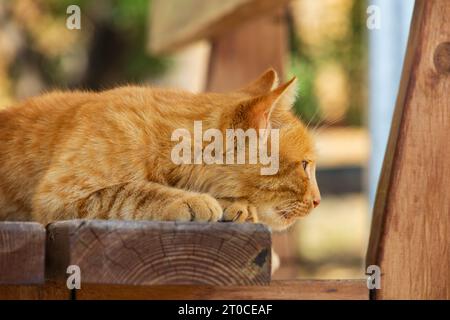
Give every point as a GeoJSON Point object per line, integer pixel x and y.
{"type": "Point", "coordinates": [304, 164]}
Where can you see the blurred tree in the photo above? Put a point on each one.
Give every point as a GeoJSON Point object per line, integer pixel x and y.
{"type": "Point", "coordinates": [329, 56]}
{"type": "Point", "coordinates": [110, 48]}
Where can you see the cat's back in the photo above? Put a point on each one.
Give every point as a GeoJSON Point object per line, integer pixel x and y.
{"type": "Point", "coordinates": [38, 131]}
{"type": "Point", "coordinates": [31, 123]}
{"type": "Point", "coordinates": [29, 132]}
{"type": "Point", "coordinates": [37, 124]}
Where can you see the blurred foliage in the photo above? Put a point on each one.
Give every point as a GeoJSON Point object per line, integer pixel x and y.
{"type": "Point", "coordinates": [333, 34]}
{"type": "Point", "coordinates": [38, 51]}
{"type": "Point", "coordinates": [130, 18]}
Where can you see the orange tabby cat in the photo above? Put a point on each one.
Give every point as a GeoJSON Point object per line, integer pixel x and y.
{"type": "Point", "coordinates": [107, 155]}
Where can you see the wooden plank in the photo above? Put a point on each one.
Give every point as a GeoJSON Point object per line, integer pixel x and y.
{"type": "Point", "coordinates": [48, 291]}
{"type": "Point", "coordinates": [175, 23]}
{"type": "Point", "coordinates": [239, 56]}
{"type": "Point", "coordinates": [410, 230]}
{"type": "Point", "coordinates": [278, 290]}
{"type": "Point", "coordinates": [158, 253]}
{"type": "Point", "coordinates": [22, 253]}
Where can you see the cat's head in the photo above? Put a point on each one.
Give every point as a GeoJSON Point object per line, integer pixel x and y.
{"type": "Point", "coordinates": [284, 194]}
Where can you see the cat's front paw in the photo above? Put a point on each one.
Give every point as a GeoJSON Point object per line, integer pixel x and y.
{"type": "Point", "coordinates": [195, 208]}
{"type": "Point", "coordinates": [239, 211]}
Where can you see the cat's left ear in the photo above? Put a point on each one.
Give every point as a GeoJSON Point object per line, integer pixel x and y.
{"type": "Point", "coordinates": [257, 112]}
{"type": "Point", "coordinates": [263, 84]}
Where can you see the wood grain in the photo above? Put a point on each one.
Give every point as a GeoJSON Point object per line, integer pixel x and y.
{"type": "Point", "coordinates": [159, 253]}
{"type": "Point", "coordinates": [278, 290]}
{"type": "Point", "coordinates": [175, 23]}
{"type": "Point", "coordinates": [22, 253]}
{"type": "Point", "coordinates": [410, 229]}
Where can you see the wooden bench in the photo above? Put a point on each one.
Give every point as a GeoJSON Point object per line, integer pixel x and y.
{"type": "Point", "coordinates": [152, 260]}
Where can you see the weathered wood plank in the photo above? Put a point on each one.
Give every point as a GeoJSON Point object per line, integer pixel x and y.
{"type": "Point", "coordinates": [410, 229]}
{"type": "Point", "coordinates": [158, 253]}
{"type": "Point", "coordinates": [278, 290]}
{"type": "Point", "coordinates": [22, 253]}
{"type": "Point", "coordinates": [175, 23]}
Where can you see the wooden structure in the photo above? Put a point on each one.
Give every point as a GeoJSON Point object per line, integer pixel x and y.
{"type": "Point", "coordinates": [22, 247]}
{"type": "Point", "coordinates": [151, 260]}
{"type": "Point", "coordinates": [239, 30]}
{"type": "Point", "coordinates": [173, 26]}
{"type": "Point", "coordinates": [410, 238]}
{"type": "Point", "coordinates": [240, 56]}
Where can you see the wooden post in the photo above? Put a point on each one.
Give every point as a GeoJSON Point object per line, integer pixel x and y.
{"type": "Point", "coordinates": [242, 54]}
{"type": "Point", "coordinates": [160, 253]}
{"type": "Point", "coordinates": [410, 229]}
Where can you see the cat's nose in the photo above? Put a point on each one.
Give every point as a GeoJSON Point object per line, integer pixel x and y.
{"type": "Point", "coordinates": [316, 202]}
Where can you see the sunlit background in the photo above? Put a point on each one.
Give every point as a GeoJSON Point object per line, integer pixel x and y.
{"type": "Point", "coordinates": [345, 88]}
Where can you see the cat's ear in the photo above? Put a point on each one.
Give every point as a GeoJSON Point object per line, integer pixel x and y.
{"type": "Point", "coordinates": [257, 112]}
{"type": "Point", "coordinates": [265, 82]}
{"type": "Point", "coordinates": [287, 94]}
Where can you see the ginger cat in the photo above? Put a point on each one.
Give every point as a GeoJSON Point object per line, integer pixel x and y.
{"type": "Point", "coordinates": [107, 155]}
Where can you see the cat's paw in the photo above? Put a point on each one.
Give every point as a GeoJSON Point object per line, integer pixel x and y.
{"type": "Point", "coordinates": [239, 211]}
{"type": "Point", "coordinates": [200, 207]}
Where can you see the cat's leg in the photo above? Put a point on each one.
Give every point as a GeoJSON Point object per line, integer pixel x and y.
{"type": "Point", "coordinates": [145, 200]}
{"type": "Point", "coordinates": [238, 210]}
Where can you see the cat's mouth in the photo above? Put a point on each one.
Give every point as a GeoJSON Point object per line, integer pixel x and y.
{"type": "Point", "coordinates": [293, 209]}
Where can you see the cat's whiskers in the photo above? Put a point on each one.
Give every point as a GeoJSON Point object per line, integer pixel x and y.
{"type": "Point", "coordinates": [316, 113]}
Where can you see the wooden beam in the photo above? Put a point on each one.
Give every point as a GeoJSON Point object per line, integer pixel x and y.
{"type": "Point", "coordinates": [278, 290]}
{"type": "Point", "coordinates": [244, 53]}
{"type": "Point", "coordinates": [160, 253]}
{"type": "Point", "coordinates": [410, 230]}
{"type": "Point", "coordinates": [22, 253]}
{"type": "Point", "coordinates": [48, 291]}
{"type": "Point", "coordinates": [175, 23]}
